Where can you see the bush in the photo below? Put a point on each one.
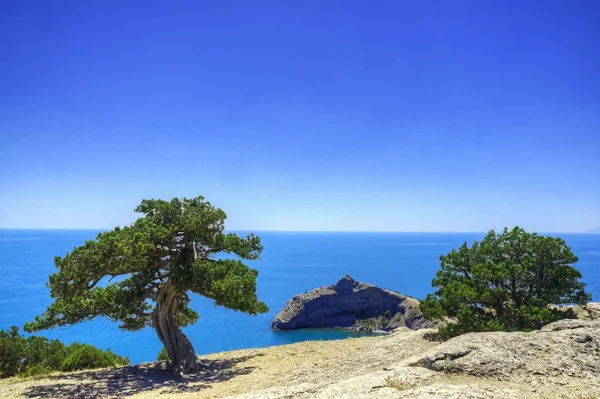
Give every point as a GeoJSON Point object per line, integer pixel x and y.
{"type": "Point", "coordinates": [44, 352]}
{"type": "Point", "coordinates": [34, 356]}
{"type": "Point", "coordinates": [37, 370]}
{"type": "Point", "coordinates": [448, 365]}
{"type": "Point", "coordinates": [12, 352]}
{"type": "Point", "coordinates": [508, 282]}
{"type": "Point", "coordinates": [163, 355]}
{"type": "Point", "coordinates": [84, 356]}
{"type": "Point", "coordinates": [366, 325]}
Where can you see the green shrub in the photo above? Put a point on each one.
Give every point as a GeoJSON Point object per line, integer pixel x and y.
{"type": "Point", "coordinates": [37, 370]}
{"type": "Point", "coordinates": [34, 356]}
{"type": "Point", "coordinates": [448, 365]}
{"type": "Point", "coordinates": [367, 325]}
{"type": "Point", "coordinates": [84, 356]}
{"type": "Point", "coordinates": [383, 322]}
{"type": "Point", "coordinates": [12, 352]}
{"type": "Point", "coordinates": [163, 355]}
{"type": "Point", "coordinates": [507, 282]}
{"type": "Point", "coordinates": [41, 351]}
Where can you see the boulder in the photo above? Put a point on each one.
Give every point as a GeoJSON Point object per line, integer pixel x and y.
{"type": "Point", "coordinates": [342, 304]}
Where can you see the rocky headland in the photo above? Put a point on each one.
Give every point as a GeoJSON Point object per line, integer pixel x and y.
{"type": "Point", "coordinates": [342, 304]}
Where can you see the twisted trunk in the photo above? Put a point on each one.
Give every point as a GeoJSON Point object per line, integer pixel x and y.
{"type": "Point", "coordinates": [181, 351]}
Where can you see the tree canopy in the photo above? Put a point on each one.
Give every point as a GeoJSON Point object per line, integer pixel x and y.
{"type": "Point", "coordinates": [142, 275]}
{"type": "Point", "coordinates": [506, 282]}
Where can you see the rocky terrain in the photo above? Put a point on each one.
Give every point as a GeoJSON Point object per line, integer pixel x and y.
{"type": "Point", "coordinates": [342, 304]}
{"type": "Point", "coordinates": [591, 311]}
{"type": "Point", "coordinates": [560, 361]}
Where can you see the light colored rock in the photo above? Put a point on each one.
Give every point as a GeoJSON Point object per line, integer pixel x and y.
{"type": "Point", "coordinates": [568, 324]}
{"type": "Point", "coordinates": [361, 387]}
{"type": "Point", "coordinates": [590, 311]}
{"type": "Point", "coordinates": [459, 392]}
{"type": "Point", "coordinates": [397, 385]}
{"type": "Point", "coordinates": [564, 348]}
{"type": "Point", "coordinates": [410, 377]}
{"type": "Point", "coordinates": [341, 304]}
{"type": "Point", "coordinates": [283, 392]}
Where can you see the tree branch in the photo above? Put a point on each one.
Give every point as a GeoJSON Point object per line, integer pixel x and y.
{"type": "Point", "coordinates": [194, 249]}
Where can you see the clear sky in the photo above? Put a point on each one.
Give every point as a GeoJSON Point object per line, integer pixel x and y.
{"type": "Point", "coordinates": [303, 115]}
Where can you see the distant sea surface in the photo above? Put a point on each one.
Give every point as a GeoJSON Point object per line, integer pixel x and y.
{"type": "Point", "coordinates": [291, 263]}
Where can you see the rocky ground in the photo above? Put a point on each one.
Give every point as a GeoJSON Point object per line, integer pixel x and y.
{"type": "Point", "coordinates": [560, 361]}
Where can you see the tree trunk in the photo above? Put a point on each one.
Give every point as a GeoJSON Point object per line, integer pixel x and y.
{"type": "Point", "coordinates": [180, 349]}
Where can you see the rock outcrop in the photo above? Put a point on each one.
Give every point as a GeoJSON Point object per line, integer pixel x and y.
{"type": "Point", "coordinates": [341, 304]}
{"type": "Point", "coordinates": [590, 311]}
{"type": "Point", "coordinates": [562, 360]}
{"type": "Point", "coordinates": [563, 348]}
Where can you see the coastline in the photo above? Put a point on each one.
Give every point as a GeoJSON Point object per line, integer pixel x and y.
{"type": "Point", "coordinates": [401, 262]}
{"type": "Point", "coordinates": [393, 366]}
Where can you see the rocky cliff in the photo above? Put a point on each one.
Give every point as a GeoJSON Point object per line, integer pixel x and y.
{"type": "Point", "coordinates": [342, 304]}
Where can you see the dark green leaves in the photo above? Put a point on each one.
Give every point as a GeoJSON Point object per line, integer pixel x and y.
{"type": "Point", "coordinates": [229, 282]}
{"type": "Point", "coordinates": [506, 282]}
{"type": "Point", "coordinates": [33, 355]}
{"type": "Point", "coordinates": [118, 274]}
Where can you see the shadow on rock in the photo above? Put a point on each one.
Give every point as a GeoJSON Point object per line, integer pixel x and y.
{"type": "Point", "coordinates": [126, 381]}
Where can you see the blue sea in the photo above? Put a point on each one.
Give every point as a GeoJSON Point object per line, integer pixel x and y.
{"type": "Point", "coordinates": [291, 263]}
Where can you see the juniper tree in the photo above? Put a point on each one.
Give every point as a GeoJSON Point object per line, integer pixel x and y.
{"type": "Point", "coordinates": [508, 281]}
{"type": "Point", "coordinates": [143, 274]}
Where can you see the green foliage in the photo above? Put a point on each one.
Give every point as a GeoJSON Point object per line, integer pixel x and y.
{"type": "Point", "coordinates": [375, 323]}
{"type": "Point", "coordinates": [83, 356]}
{"type": "Point", "coordinates": [37, 370]}
{"type": "Point", "coordinates": [448, 365]}
{"type": "Point", "coordinates": [366, 325]}
{"type": "Point", "coordinates": [13, 348]}
{"type": "Point", "coordinates": [163, 355]}
{"type": "Point", "coordinates": [34, 356]}
{"type": "Point", "coordinates": [45, 353]}
{"type": "Point", "coordinates": [181, 241]}
{"type": "Point", "coordinates": [505, 283]}
{"type": "Point", "coordinates": [384, 320]}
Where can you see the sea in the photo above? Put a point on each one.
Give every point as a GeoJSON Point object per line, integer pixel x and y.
{"type": "Point", "coordinates": [291, 263]}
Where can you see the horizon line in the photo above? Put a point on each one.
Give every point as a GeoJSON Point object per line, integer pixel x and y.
{"type": "Point", "coordinates": [99, 229]}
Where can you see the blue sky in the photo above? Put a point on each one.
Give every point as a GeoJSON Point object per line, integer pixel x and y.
{"type": "Point", "coordinates": [312, 115]}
